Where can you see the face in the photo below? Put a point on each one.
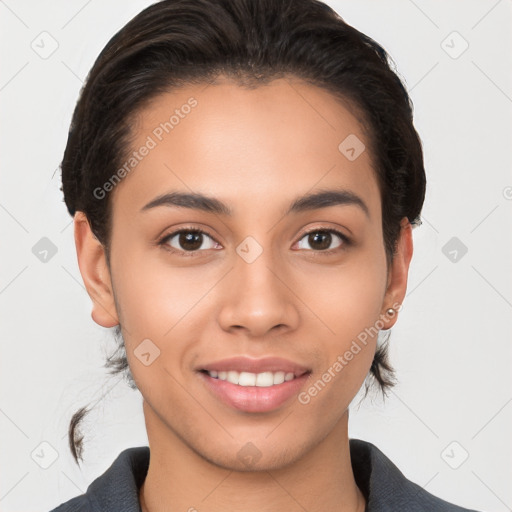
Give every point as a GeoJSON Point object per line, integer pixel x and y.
{"type": "Point", "coordinates": [259, 281]}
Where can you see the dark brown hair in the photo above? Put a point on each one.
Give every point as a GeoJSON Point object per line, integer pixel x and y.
{"type": "Point", "coordinates": [173, 43]}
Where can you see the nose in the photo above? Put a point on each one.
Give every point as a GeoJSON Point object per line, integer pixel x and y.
{"type": "Point", "coordinates": [258, 298]}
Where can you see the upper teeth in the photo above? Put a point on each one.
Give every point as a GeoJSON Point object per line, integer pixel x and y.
{"type": "Point", "coordinates": [264, 379]}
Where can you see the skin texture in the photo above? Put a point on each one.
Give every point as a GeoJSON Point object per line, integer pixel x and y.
{"type": "Point", "coordinates": [256, 150]}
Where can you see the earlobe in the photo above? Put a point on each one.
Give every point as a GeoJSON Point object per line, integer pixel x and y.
{"type": "Point", "coordinates": [398, 274]}
{"type": "Point", "coordinates": [95, 272]}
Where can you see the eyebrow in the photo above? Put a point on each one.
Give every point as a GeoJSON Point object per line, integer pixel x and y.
{"type": "Point", "coordinates": [314, 201]}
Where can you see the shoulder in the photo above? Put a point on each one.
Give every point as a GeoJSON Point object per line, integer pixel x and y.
{"type": "Point", "coordinates": [386, 488]}
{"type": "Point", "coordinates": [117, 488]}
{"type": "Point", "coordinates": [78, 504]}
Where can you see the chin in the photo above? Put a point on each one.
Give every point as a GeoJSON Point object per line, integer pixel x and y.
{"type": "Point", "coordinates": [257, 455]}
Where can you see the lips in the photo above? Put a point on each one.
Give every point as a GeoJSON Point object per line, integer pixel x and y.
{"type": "Point", "coordinates": [245, 364]}
{"type": "Point", "coordinates": [254, 385]}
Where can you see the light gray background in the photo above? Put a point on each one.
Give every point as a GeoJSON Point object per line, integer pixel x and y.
{"type": "Point", "coordinates": [451, 346]}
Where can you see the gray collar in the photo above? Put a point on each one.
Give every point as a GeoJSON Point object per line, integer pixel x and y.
{"type": "Point", "coordinates": [384, 486]}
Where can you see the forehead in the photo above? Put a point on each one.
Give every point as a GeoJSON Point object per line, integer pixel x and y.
{"type": "Point", "coordinates": [245, 146]}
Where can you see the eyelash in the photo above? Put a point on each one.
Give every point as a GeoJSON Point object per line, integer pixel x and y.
{"type": "Point", "coordinates": [163, 241]}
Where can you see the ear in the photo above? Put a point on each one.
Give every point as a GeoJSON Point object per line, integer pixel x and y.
{"type": "Point", "coordinates": [397, 274]}
{"type": "Point", "coordinates": [95, 273]}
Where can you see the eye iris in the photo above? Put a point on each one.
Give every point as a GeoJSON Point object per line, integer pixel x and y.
{"type": "Point", "coordinates": [190, 240]}
{"type": "Point", "coordinates": [325, 238]}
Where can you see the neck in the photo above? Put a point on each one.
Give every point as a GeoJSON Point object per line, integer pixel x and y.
{"type": "Point", "coordinates": [178, 478]}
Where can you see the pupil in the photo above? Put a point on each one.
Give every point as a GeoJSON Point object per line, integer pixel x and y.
{"type": "Point", "coordinates": [190, 240]}
{"type": "Point", "coordinates": [313, 238]}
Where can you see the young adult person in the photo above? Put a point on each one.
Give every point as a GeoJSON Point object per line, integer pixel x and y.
{"type": "Point", "coordinates": [244, 177]}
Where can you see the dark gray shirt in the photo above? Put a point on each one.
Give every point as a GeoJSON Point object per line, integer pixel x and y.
{"type": "Point", "coordinates": [385, 488]}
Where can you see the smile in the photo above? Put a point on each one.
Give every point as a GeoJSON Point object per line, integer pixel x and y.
{"type": "Point", "coordinates": [263, 380]}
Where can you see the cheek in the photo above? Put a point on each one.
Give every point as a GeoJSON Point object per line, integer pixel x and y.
{"type": "Point", "coordinates": [347, 299]}
{"type": "Point", "coordinates": [165, 305]}
{"type": "Point", "coordinates": [348, 303]}
{"type": "Point", "coordinates": [153, 296]}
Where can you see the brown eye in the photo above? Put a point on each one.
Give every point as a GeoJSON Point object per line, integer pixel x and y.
{"type": "Point", "coordinates": [322, 239]}
{"type": "Point", "coordinates": [188, 240]}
